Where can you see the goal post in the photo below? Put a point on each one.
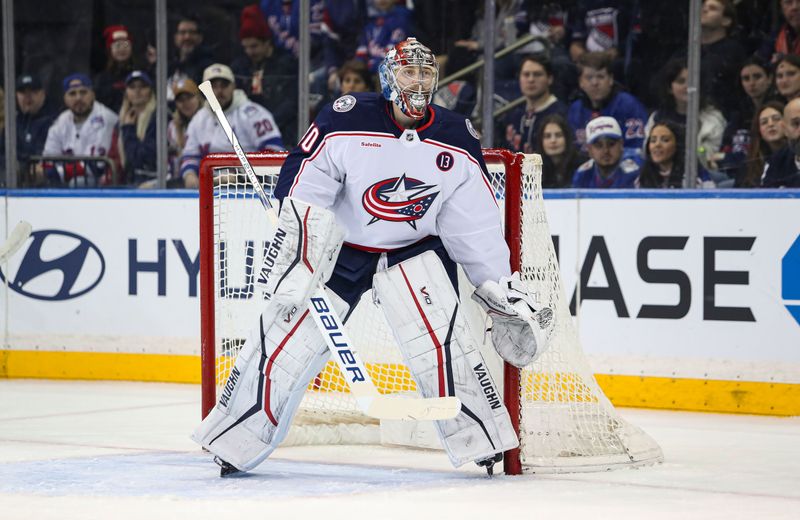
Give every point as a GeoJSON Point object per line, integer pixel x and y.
{"type": "Point", "coordinates": [564, 421]}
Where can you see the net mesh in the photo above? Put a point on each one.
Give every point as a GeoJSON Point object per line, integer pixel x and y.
{"type": "Point", "coordinates": [566, 422]}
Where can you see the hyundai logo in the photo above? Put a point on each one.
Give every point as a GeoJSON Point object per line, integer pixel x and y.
{"type": "Point", "coordinates": [57, 265]}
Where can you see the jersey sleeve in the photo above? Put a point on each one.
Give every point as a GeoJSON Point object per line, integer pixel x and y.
{"type": "Point", "coordinates": [470, 225]}
{"type": "Point", "coordinates": [191, 155]}
{"type": "Point", "coordinates": [310, 172]}
{"type": "Point", "coordinates": [52, 145]}
{"type": "Point", "coordinates": [263, 129]}
{"type": "Point", "coordinates": [633, 125]}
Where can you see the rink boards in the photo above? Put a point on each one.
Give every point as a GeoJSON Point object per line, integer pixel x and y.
{"type": "Point", "coordinates": [683, 300]}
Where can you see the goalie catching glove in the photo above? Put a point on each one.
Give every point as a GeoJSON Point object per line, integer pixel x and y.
{"type": "Point", "coordinates": [519, 331]}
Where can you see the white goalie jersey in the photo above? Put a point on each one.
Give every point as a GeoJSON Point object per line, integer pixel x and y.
{"type": "Point", "coordinates": [391, 187]}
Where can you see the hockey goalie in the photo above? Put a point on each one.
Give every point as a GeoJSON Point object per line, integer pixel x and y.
{"type": "Point", "coordinates": [389, 192]}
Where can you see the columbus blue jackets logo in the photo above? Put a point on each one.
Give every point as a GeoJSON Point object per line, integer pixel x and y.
{"type": "Point", "coordinates": [344, 103]}
{"type": "Point", "coordinates": [399, 199]}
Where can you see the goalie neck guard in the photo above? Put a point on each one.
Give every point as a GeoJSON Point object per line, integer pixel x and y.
{"type": "Point", "coordinates": [409, 76]}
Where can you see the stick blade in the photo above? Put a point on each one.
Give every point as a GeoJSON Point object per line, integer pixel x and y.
{"type": "Point", "coordinates": [208, 93]}
{"type": "Point", "coordinates": [16, 238]}
{"type": "Point", "coordinates": [413, 409]}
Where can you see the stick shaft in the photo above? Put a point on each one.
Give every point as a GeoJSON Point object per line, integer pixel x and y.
{"type": "Point", "coordinates": [15, 239]}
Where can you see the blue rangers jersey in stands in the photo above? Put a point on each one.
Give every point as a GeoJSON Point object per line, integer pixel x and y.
{"type": "Point", "coordinates": [624, 175]}
{"type": "Point", "coordinates": [390, 187]}
{"type": "Point", "coordinates": [253, 124]}
{"type": "Point", "coordinates": [626, 109]}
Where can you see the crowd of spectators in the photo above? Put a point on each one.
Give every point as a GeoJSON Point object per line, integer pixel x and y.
{"type": "Point", "coordinates": [604, 90]}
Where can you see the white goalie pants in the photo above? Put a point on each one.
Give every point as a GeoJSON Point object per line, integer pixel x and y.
{"type": "Point", "coordinates": [423, 310]}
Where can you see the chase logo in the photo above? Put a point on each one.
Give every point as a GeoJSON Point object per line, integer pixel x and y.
{"type": "Point", "coordinates": [57, 265]}
{"type": "Point", "coordinates": [790, 286]}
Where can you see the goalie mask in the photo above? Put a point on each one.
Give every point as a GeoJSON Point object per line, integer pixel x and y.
{"type": "Point", "coordinates": [409, 75]}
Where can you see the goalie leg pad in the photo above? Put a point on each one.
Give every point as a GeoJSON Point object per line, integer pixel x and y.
{"type": "Point", "coordinates": [422, 309]}
{"type": "Point", "coordinates": [301, 254]}
{"type": "Point", "coordinates": [264, 388]}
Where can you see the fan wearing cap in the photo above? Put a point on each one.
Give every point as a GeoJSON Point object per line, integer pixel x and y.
{"type": "Point", "coordinates": [109, 84]}
{"type": "Point", "coordinates": [187, 104]}
{"type": "Point", "coordinates": [267, 76]}
{"type": "Point", "coordinates": [34, 117]}
{"type": "Point", "coordinates": [254, 125]}
{"type": "Point", "coordinates": [606, 168]}
{"type": "Point", "coordinates": [86, 127]}
{"type": "Point", "coordinates": [135, 143]}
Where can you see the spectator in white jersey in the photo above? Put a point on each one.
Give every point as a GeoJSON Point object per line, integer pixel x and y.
{"type": "Point", "coordinates": [254, 124]}
{"type": "Point", "coordinates": [85, 128]}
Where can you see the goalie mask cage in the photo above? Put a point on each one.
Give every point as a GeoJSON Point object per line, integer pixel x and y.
{"type": "Point", "coordinates": [564, 421]}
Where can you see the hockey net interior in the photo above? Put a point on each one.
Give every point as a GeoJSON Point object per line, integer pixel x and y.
{"type": "Point", "coordinates": [566, 423]}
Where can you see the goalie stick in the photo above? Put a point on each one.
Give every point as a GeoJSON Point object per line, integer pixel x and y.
{"type": "Point", "coordinates": [18, 236]}
{"type": "Point", "coordinates": [369, 400]}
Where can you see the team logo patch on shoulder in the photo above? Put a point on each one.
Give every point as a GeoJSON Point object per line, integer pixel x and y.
{"type": "Point", "coordinates": [471, 130]}
{"type": "Point", "coordinates": [344, 103]}
{"type": "Point", "coordinates": [586, 166]}
{"type": "Point", "coordinates": [629, 166]}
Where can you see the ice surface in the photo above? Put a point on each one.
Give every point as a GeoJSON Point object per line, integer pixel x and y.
{"type": "Point", "coordinates": [85, 450]}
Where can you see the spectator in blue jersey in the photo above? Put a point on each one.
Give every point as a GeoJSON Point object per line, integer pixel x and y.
{"type": "Point", "coordinates": [34, 117]}
{"type": "Point", "coordinates": [600, 96]}
{"type": "Point", "coordinates": [388, 24]}
{"type": "Point", "coordinates": [664, 160]}
{"type": "Point", "coordinates": [267, 76]}
{"type": "Point", "coordinates": [782, 170]}
{"type": "Point", "coordinates": [605, 26]}
{"type": "Point", "coordinates": [601, 26]}
{"type": "Point", "coordinates": [522, 124]}
{"type": "Point", "coordinates": [606, 167]}
{"type": "Point", "coordinates": [549, 20]}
